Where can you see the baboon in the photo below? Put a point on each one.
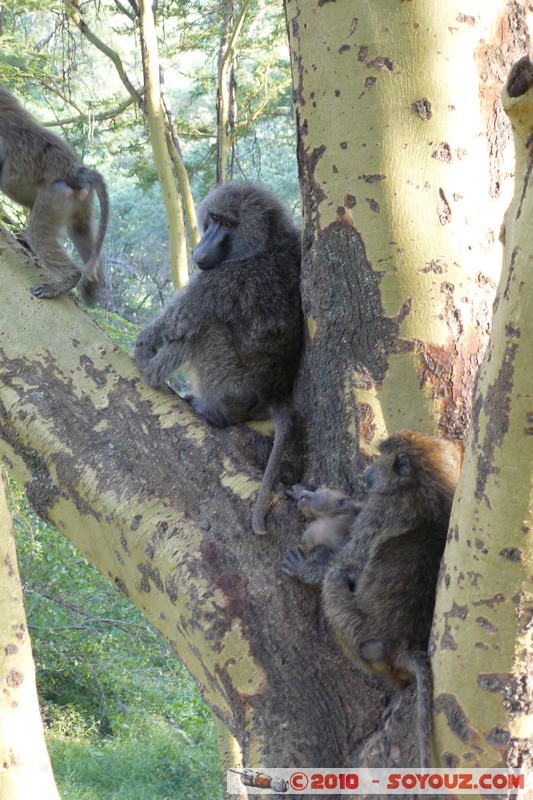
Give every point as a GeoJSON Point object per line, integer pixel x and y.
{"type": "Point", "coordinates": [330, 514]}
{"type": "Point", "coordinates": [41, 172]}
{"type": "Point", "coordinates": [379, 591]}
{"type": "Point", "coordinates": [238, 324]}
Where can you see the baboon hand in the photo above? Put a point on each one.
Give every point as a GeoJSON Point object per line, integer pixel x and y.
{"type": "Point", "coordinates": [293, 561]}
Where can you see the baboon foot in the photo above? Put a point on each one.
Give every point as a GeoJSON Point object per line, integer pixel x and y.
{"type": "Point", "coordinates": [47, 290]}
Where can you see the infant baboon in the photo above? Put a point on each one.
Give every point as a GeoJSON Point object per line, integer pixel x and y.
{"type": "Point", "coordinates": [379, 592]}
{"type": "Point", "coordinates": [40, 171]}
{"type": "Point", "coordinates": [238, 325]}
{"type": "Point", "coordinates": [329, 514]}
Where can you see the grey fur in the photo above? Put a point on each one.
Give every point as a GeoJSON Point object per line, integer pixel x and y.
{"type": "Point", "coordinates": [238, 325]}
{"type": "Point", "coordinates": [41, 172]}
{"type": "Point", "coordinates": [329, 514]}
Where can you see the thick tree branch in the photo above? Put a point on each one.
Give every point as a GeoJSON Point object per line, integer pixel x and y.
{"type": "Point", "coordinates": [161, 502]}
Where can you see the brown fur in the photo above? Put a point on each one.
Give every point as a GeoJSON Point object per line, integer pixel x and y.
{"type": "Point", "coordinates": [379, 591]}
{"type": "Point", "coordinates": [379, 595]}
{"type": "Point", "coordinates": [41, 172]}
{"type": "Point", "coordinates": [238, 325]}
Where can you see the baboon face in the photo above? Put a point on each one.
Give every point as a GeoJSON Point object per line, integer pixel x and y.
{"type": "Point", "coordinates": [324, 503]}
{"type": "Point", "coordinates": [391, 472]}
{"type": "Point", "coordinates": [217, 242]}
{"type": "Point", "coordinates": [238, 221]}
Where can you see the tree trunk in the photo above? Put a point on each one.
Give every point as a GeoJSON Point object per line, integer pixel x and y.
{"type": "Point", "coordinates": [160, 129]}
{"type": "Point", "coordinates": [158, 139]}
{"type": "Point", "coordinates": [25, 770]}
{"type": "Point", "coordinates": [397, 160]}
{"type": "Point", "coordinates": [484, 650]}
{"type": "Point", "coordinates": [226, 100]}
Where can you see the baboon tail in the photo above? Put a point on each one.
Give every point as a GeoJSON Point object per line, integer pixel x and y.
{"type": "Point", "coordinates": [97, 182]}
{"type": "Point", "coordinates": [88, 291]}
{"type": "Point", "coordinates": [281, 413]}
{"type": "Point", "coordinates": [418, 664]}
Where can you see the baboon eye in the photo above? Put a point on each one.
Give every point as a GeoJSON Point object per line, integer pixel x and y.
{"type": "Point", "coordinates": [228, 223]}
{"type": "Point", "coordinates": [403, 464]}
{"type": "Point", "coordinates": [215, 217]}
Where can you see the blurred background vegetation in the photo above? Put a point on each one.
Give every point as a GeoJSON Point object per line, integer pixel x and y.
{"type": "Point", "coordinates": [69, 84]}
{"type": "Point", "coordinates": [123, 719]}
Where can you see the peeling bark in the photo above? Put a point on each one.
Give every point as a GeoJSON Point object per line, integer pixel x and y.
{"type": "Point", "coordinates": [484, 655]}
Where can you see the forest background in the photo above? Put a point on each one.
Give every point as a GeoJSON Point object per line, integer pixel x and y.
{"type": "Point", "coordinates": [123, 718]}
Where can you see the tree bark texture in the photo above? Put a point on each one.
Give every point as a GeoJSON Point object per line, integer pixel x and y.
{"type": "Point", "coordinates": [403, 174]}
{"type": "Point", "coordinates": [483, 635]}
{"type": "Point", "coordinates": [25, 770]}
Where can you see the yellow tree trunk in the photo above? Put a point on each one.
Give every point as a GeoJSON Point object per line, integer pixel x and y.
{"type": "Point", "coordinates": [158, 139]}
{"type": "Point", "coordinates": [403, 180]}
{"type": "Point", "coordinates": [483, 635]}
{"type": "Point", "coordinates": [25, 770]}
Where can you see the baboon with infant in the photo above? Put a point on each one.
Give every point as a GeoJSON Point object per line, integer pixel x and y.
{"type": "Point", "coordinates": [238, 324]}
{"type": "Point", "coordinates": [41, 172]}
{"type": "Point", "coordinates": [379, 589]}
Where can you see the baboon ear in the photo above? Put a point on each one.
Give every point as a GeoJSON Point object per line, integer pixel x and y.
{"type": "Point", "coordinates": [403, 465]}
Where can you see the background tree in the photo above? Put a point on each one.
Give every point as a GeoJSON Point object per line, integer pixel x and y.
{"type": "Point", "coordinates": [26, 770]}
{"type": "Point", "coordinates": [226, 87]}
{"type": "Point", "coordinates": [394, 330]}
{"type": "Point", "coordinates": [122, 717]}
